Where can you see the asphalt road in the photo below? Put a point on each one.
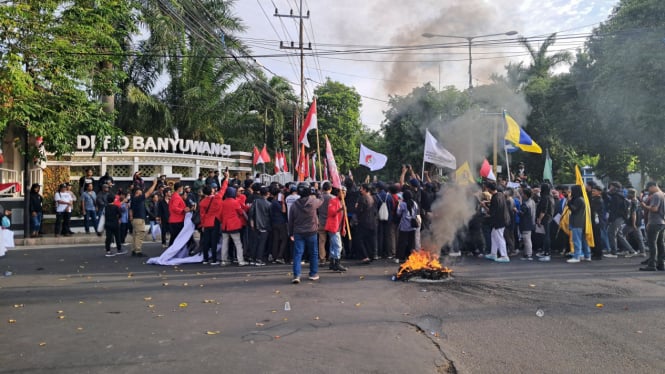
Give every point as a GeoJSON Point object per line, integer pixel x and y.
{"type": "Point", "coordinates": [71, 310]}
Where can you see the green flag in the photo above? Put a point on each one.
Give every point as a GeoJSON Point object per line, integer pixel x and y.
{"type": "Point", "coordinates": [547, 170]}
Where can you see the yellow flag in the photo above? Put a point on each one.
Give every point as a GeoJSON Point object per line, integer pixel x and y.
{"type": "Point", "coordinates": [463, 175]}
{"type": "Point", "coordinates": [588, 229]}
{"type": "Point", "coordinates": [565, 217]}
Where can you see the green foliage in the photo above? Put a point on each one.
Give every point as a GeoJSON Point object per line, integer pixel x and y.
{"type": "Point", "coordinates": [407, 118]}
{"type": "Point", "coordinates": [51, 68]}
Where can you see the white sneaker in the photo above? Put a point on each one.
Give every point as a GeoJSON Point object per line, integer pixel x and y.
{"type": "Point", "coordinates": [573, 260]}
{"type": "Point", "coordinates": [609, 255]}
{"type": "Point", "coordinates": [455, 254]}
{"type": "Point", "coordinates": [503, 259]}
{"type": "Point", "coordinates": [242, 263]}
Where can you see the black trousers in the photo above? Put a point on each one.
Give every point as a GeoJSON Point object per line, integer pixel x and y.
{"type": "Point", "coordinates": [209, 240]}
{"type": "Point", "coordinates": [62, 223]}
{"type": "Point", "coordinates": [258, 248]}
{"type": "Point", "coordinates": [174, 229]}
{"type": "Point", "coordinates": [406, 242]}
{"type": "Point", "coordinates": [366, 242]}
{"type": "Point", "coordinates": [112, 233]}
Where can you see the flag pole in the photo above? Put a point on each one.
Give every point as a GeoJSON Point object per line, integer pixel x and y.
{"type": "Point", "coordinates": [318, 152]}
{"type": "Point", "coordinates": [422, 172]}
{"type": "Point", "coordinates": [506, 153]}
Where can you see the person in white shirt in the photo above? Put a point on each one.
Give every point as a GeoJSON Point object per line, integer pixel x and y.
{"type": "Point", "coordinates": [63, 205]}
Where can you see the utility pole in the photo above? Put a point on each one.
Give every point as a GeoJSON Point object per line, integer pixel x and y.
{"type": "Point", "coordinates": [302, 48]}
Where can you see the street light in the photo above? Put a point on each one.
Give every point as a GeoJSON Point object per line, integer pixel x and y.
{"type": "Point", "coordinates": [469, 39]}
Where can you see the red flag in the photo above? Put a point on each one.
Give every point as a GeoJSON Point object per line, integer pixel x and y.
{"type": "Point", "coordinates": [302, 164]}
{"type": "Point", "coordinates": [264, 154]}
{"type": "Point", "coordinates": [330, 158]}
{"type": "Point", "coordinates": [277, 163]}
{"type": "Point", "coordinates": [486, 170]}
{"type": "Point", "coordinates": [285, 165]}
{"type": "Point", "coordinates": [257, 157]}
{"type": "Point", "coordinates": [310, 124]}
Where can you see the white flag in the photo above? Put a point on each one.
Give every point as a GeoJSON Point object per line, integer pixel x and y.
{"type": "Point", "coordinates": [373, 160]}
{"type": "Point", "coordinates": [436, 154]}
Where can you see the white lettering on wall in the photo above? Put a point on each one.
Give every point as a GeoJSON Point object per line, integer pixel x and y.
{"type": "Point", "coordinates": [148, 144]}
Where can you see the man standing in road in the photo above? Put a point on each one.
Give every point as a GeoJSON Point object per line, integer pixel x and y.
{"type": "Point", "coordinates": [499, 217]}
{"type": "Point", "coordinates": [177, 211]}
{"type": "Point", "coordinates": [137, 216]}
{"type": "Point", "coordinates": [303, 227]}
{"type": "Point", "coordinates": [655, 228]}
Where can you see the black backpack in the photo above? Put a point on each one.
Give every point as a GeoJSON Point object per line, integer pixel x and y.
{"type": "Point", "coordinates": [624, 209]}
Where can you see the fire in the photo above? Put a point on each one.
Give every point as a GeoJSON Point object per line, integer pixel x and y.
{"type": "Point", "coordinates": [421, 260]}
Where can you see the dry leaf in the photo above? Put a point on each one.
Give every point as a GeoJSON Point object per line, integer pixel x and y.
{"type": "Point", "coordinates": [61, 317]}
{"type": "Point", "coordinates": [185, 284]}
{"type": "Point", "coordinates": [165, 284]}
{"type": "Point", "coordinates": [18, 305]}
{"type": "Point", "coordinates": [286, 319]}
{"type": "Point", "coordinates": [599, 305]}
{"type": "Point", "coordinates": [273, 311]}
{"type": "Point", "coordinates": [151, 306]}
{"type": "Point", "coordinates": [130, 275]}
{"type": "Point", "coordinates": [277, 336]}
{"type": "Point", "coordinates": [357, 304]}
{"type": "Point", "coordinates": [147, 298]}
{"type": "Point", "coordinates": [361, 277]}
{"type": "Point", "coordinates": [42, 344]}
{"type": "Point", "coordinates": [159, 316]}
{"type": "Point", "coordinates": [183, 305]}
{"type": "Point", "coordinates": [212, 332]}
{"type": "Point", "coordinates": [317, 318]}
{"type": "Point", "coordinates": [11, 321]}
{"type": "Point", "coordinates": [532, 285]}
{"type": "Point", "coordinates": [277, 291]}
{"type": "Point", "coordinates": [81, 302]}
{"type": "Point", "coordinates": [208, 301]}
{"type": "Point", "coordinates": [79, 328]}
{"type": "Point", "coordinates": [60, 311]}
{"type": "Point", "coordinates": [259, 324]}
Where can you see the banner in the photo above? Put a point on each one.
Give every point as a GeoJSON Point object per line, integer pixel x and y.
{"type": "Point", "coordinates": [436, 154]}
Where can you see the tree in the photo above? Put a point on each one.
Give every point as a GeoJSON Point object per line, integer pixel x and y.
{"type": "Point", "coordinates": [51, 68]}
{"type": "Point", "coordinates": [409, 115]}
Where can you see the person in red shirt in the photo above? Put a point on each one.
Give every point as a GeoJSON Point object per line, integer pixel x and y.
{"type": "Point", "coordinates": [177, 211]}
{"type": "Point", "coordinates": [233, 217]}
{"type": "Point", "coordinates": [210, 208]}
{"type": "Point", "coordinates": [334, 222]}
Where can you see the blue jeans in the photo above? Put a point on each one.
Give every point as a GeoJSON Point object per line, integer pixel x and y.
{"type": "Point", "coordinates": [311, 242]}
{"type": "Point", "coordinates": [36, 222]}
{"type": "Point", "coordinates": [579, 242]}
{"type": "Point", "coordinates": [90, 217]}
{"type": "Point", "coordinates": [335, 240]}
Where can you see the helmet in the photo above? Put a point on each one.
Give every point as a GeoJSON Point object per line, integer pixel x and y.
{"type": "Point", "coordinates": [304, 189]}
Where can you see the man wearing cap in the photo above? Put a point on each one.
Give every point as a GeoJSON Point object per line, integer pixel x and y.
{"type": "Point", "coordinates": [177, 211]}
{"type": "Point", "coordinates": [655, 228]}
{"type": "Point", "coordinates": [137, 216]}
{"type": "Point", "coordinates": [260, 223]}
{"type": "Point", "coordinates": [63, 201]}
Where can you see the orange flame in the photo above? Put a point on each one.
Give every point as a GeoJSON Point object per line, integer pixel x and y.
{"type": "Point", "coordinates": [422, 259]}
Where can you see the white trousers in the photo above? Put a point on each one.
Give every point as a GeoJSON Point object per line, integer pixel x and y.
{"type": "Point", "coordinates": [498, 242]}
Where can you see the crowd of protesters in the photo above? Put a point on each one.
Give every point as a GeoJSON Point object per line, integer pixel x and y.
{"type": "Point", "coordinates": [245, 222]}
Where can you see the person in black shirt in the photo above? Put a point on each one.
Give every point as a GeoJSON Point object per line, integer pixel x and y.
{"type": "Point", "coordinates": [137, 216]}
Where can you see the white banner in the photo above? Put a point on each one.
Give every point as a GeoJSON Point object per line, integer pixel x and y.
{"type": "Point", "coordinates": [436, 154]}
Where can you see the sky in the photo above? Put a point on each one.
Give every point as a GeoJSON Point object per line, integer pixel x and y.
{"type": "Point", "coordinates": [352, 24]}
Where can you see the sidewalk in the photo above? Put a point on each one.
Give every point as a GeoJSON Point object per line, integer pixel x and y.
{"type": "Point", "coordinates": [79, 238]}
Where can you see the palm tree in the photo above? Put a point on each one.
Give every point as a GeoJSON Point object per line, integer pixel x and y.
{"type": "Point", "coordinates": [542, 62]}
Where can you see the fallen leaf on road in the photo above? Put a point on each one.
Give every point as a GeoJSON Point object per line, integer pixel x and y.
{"type": "Point", "coordinates": [273, 311]}
{"type": "Point", "coordinates": [18, 305]}
{"type": "Point", "coordinates": [159, 316]}
{"type": "Point", "coordinates": [600, 305]}
{"type": "Point", "coordinates": [277, 291]}
{"type": "Point", "coordinates": [362, 277]}
{"type": "Point", "coordinates": [60, 311]}
{"type": "Point", "coordinates": [79, 328]}
{"type": "Point", "coordinates": [61, 317]}
{"type": "Point", "coordinates": [81, 302]}
{"type": "Point", "coordinates": [11, 321]}
{"type": "Point", "coordinates": [151, 306]}
{"type": "Point", "coordinates": [185, 284]}
{"type": "Point", "coordinates": [357, 304]}
{"type": "Point", "coordinates": [317, 318]}
{"type": "Point", "coordinates": [42, 344]}
{"type": "Point", "coordinates": [183, 305]}
{"type": "Point", "coordinates": [130, 275]}
{"type": "Point", "coordinates": [277, 336]}
{"type": "Point", "coordinates": [259, 324]}
{"type": "Point", "coordinates": [212, 332]}
{"type": "Point", "coordinates": [208, 301]}
{"type": "Point", "coordinates": [147, 298]}
{"type": "Point", "coordinates": [532, 285]}
{"type": "Point", "coordinates": [165, 284]}
{"type": "Point", "coordinates": [639, 332]}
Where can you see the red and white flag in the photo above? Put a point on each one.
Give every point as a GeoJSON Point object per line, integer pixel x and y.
{"type": "Point", "coordinates": [278, 163]}
{"type": "Point", "coordinates": [264, 154]}
{"type": "Point", "coordinates": [326, 176]}
{"type": "Point", "coordinates": [285, 165]}
{"type": "Point", "coordinates": [303, 164]}
{"type": "Point", "coordinates": [313, 172]}
{"type": "Point", "coordinates": [310, 124]}
{"type": "Point", "coordinates": [486, 171]}
{"type": "Point", "coordinates": [257, 157]}
{"type": "Point", "coordinates": [330, 159]}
